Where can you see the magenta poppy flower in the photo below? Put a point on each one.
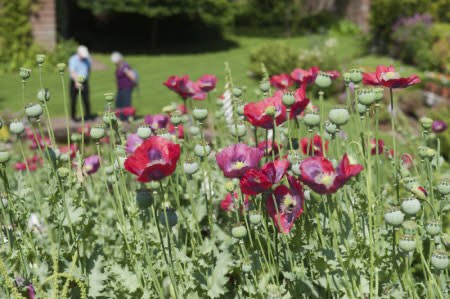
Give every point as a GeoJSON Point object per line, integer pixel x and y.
{"type": "Point", "coordinates": [373, 146]}
{"type": "Point", "coordinates": [261, 114]}
{"type": "Point", "coordinates": [301, 102]}
{"type": "Point", "coordinates": [271, 146]}
{"type": "Point", "coordinates": [72, 151]}
{"type": "Point", "coordinates": [388, 77]}
{"type": "Point", "coordinates": [315, 147]}
{"type": "Point", "coordinates": [236, 159]}
{"type": "Point", "coordinates": [228, 203]}
{"type": "Point", "coordinates": [207, 82]}
{"type": "Point", "coordinates": [319, 174]}
{"type": "Point", "coordinates": [155, 159]}
{"type": "Point", "coordinates": [305, 77]}
{"type": "Point", "coordinates": [407, 161]}
{"type": "Point", "coordinates": [91, 164]}
{"type": "Point", "coordinates": [199, 96]}
{"type": "Point", "coordinates": [41, 141]}
{"type": "Point", "coordinates": [439, 126]}
{"type": "Point", "coordinates": [172, 82]}
{"type": "Point", "coordinates": [256, 181]}
{"type": "Point", "coordinates": [281, 81]}
{"type": "Point", "coordinates": [33, 163]}
{"type": "Point", "coordinates": [186, 88]}
{"type": "Point", "coordinates": [287, 205]}
{"type": "Point", "coordinates": [133, 142]}
{"type": "Point", "coordinates": [157, 121]}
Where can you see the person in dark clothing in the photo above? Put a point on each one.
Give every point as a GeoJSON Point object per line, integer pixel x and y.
{"type": "Point", "coordinates": [80, 65]}
{"type": "Point", "coordinates": [126, 81]}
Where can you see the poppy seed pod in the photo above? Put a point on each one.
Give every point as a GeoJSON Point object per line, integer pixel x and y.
{"type": "Point", "coordinates": [175, 118]}
{"type": "Point", "coordinates": [33, 110]}
{"type": "Point", "coordinates": [194, 130]}
{"type": "Point", "coordinates": [347, 78]}
{"type": "Point", "coordinates": [4, 155]}
{"type": "Point", "coordinates": [356, 75]}
{"type": "Point", "coordinates": [109, 169]}
{"type": "Point", "coordinates": [40, 58]}
{"type": "Point", "coordinates": [237, 92]}
{"type": "Point", "coordinates": [240, 109]}
{"type": "Point", "coordinates": [433, 227]}
{"type": "Point", "coordinates": [97, 131]}
{"type": "Point", "coordinates": [109, 119]}
{"type": "Point", "coordinates": [379, 93]}
{"type": "Point", "coordinates": [24, 73]}
{"type": "Point", "coordinates": [109, 97]}
{"type": "Point", "coordinates": [238, 130]}
{"type": "Point", "coordinates": [43, 95]}
{"type": "Point", "coordinates": [323, 80]}
{"type": "Point", "coordinates": [144, 131]}
{"type": "Point", "coordinates": [144, 198]}
{"type": "Point", "coordinates": [168, 217]}
{"type": "Point", "coordinates": [422, 151]}
{"type": "Point", "coordinates": [407, 243]}
{"type": "Point", "coordinates": [409, 183]}
{"type": "Point", "coordinates": [288, 99]}
{"type": "Point", "coordinates": [443, 188]}
{"type": "Point", "coordinates": [230, 186]}
{"type": "Point", "coordinates": [63, 172]}
{"type": "Point", "coordinates": [239, 231]}
{"type": "Point", "coordinates": [255, 217]}
{"type": "Point", "coordinates": [426, 123]}
{"type": "Point", "coordinates": [361, 109]}
{"type": "Point", "coordinates": [246, 266]}
{"type": "Point", "coordinates": [190, 167]}
{"type": "Point", "coordinates": [439, 260]}
{"type": "Point", "coordinates": [330, 128]}
{"type": "Point", "coordinates": [16, 127]}
{"type": "Point", "coordinates": [394, 216]}
{"type": "Point", "coordinates": [264, 85]}
{"type": "Point", "coordinates": [200, 114]}
{"type": "Point", "coordinates": [409, 227]}
{"type": "Point", "coordinates": [411, 206]}
{"type": "Point", "coordinates": [366, 96]}
{"type": "Point", "coordinates": [202, 150]}
{"type": "Point", "coordinates": [311, 119]}
{"type": "Point", "coordinates": [339, 116]}
{"type": "Point", "coordinates": [164, 133]}
{"type": "Point", "coordinates": [61, 67]}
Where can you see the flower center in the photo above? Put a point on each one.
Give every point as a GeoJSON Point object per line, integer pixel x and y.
{"type": "Point", "coordinates": [288, 204]}
{"type": "Point", "coordinates": [271, 110]}
{"type": "Point", "coordinates": [326, 179]}
{"type": "Point", "coordinates": [239, 165]}
{"type": "Point", "coordinates": [390, 75]}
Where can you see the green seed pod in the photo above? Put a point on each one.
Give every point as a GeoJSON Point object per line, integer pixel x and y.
{"type": "Point", "coordinates": [347, 78]}
{"type": "Point", "coordinates": [64, 157]}
{"type": "Point", "coordinates": [296, 167]}
{"type": "Point", "coordinates": [43, 95]}
{"type": "Point", "coordinates": [144, 198]}
{"type": "Point", "coordinates": [356, 76]}
{"type": "Point", "coordinates": [439, 260]}
{"type": "Point", "coordinates": [394, 216]}
{"type": "Point", "coordinates": [75, 137]}
{"type": "Point", "coordinates": [323, 80]}
{"type": "Point", "coordinates": [200, 114]}
{"type": "Point", "coordinates": [194, 130]}
{"type": "Point", "coordinates": [202, 150]}
{"type": "Point", "coordinates": [144, 131]}
{"type": "Point", "coordinates": [40, 58]}
{"type": "Point", "coordinates": [24, 73]}
{"type": "Point", "coordinates": [118, 164]}
{"type": "Point", "coordinates": [361, 109]}
{"type": "Point", "coordinates": [168, 217]}
{"type": "Point", "coordinates": [264, 85]}
{"type": "Point", "coordinates": [33, 110]}
{"type": "Point", "coordinates": [61, 67]}
{"type": "Point", "coordinates": [407, 243]}
{"type": "Point", "coordinates": [16, 127]}
{"type": "Point", "coordinates": [444, 188]}
{"type": "Point", "coordinates": [411, 206]}
{"type": "Point", "coordinates": [190, 167]}
{"type": "Point", "coordinates": [237, 92]}
{"type": "Point", "coordinates": [379, 94]}
{"type": "Point", "coordinates": [311, 119]}
{"type": "Point", "coordinates": [409, 227]}
{"type": "Point", "coordinates": [230, 186]}
{"type": "Point", "coordinates": [63, 172]}
{"type": "Point", "coordinates": [240, 109]}
{"type": "Point", "coordinates": [288, 99]}
{"type": "Point", "coordinates": [339, 116]}
{"type": "Point", "coordinates": [238, 130]}
{"type": "Point", "coordinates": [4, 155]}
{"type": "Point", "coordinates": [366, 96]}
{"type": "Point", "coordinates": [109, 170]}
{"type": "Point", "coordinates": [175, 118]}
{"type": "Point", "coordinates": [97, 131]}
{"type": "Point", "coordinates": [330, 128]}
{"type": "Point", "coordinates": [246, 266]}
{"type": "Point", "coordinates": [109, 119]}
{"type": "Point", "coordinates": [255, 217]}
{"type": "Point", "coordinates": [426, 123]}
{"type": "Point", "coordinates": [409, 183]}
{"type": "Point", "coordinates": [239, 231]}
{"type": "Point", "coordinates": [433, 227]}
{"type": "Point", "coordinates": [109, 97]}
{"type": "Point", "coordinates": [164, 133]}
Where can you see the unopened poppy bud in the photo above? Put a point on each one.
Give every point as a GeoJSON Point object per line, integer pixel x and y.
{"type": "Point", "coordinates": [168, 217]}
{"type": "Point", "coordinates": [81, 79]}
{"type": "Point", "coordinates": [40, 58]}
{"type": "Point", "coordinates": [144, 131]}
{"type": "Point", "coordinates": [237, 92]}
{"type": "Point", "coordinates": [409, 227]}
{"type": "Point", "coordinates": [264, 85]}
{"type": "Point", "coordinates": [443, 188]}
{"type": "Point", "coordinates": [433, 227]}
{"type": "Point", "coordinates": [238, 130]}
{"type": "Point", "coordinates": [97, 131]}
{"type": "Point", "coordinates": [311, 119]}
{"type": "Point", "coordinates": [379, 93]}
{"type": "Point", "coordinates": [323, 80]}
{"type": "Point", "coordinates": [330, 128]}
{"type": "Point", "coordinates": [175, 118]}
{"type": "Point", "coordinates": [356, 75]}
{"type": "Point", "coordinates": [24, 73]}
{"type": "Point", "coordinates": [411, 206]}
{"type": "Point", "coordinates": [407, 243]}
{"type": "Point", "coordinates": [4, 155]}
{"type": "Point", "coordinates": [43, 95]}
{"type": "Point", "coordinates": [230, 186]}
{"type": "Point", "coordinates": [194, 130]}
{"type": "Point", "coordinates": [347, 78]}
{"type": "Point", "coordinates": [109, 119]}
{"type": "Point", "coordinates": [63, 172]}
{"type": "Point", "coordinates": [430, 153]}
{"type": "Point", "coordinates": [239, 231]}
{"type": "Point", "coordinates": [423, 151]}
{"type": "Point", "coordinates": [339, 116]}
{"type": "Point", "coordinates": [255, 217]}
{"type": "Point", "coordinates": [439, 260]}
{"type": "Point", "coordinates": [144, 198]}
{"type": "Point", "coordinates": [426, 123]}
{"type": "Point", "coordinates": [246, 266]}
{"type": "Point", "coordinates": [33, 110]}
{"type": "Point", "coordinates": [394, 216]}
{"type": "Point", "coordinates": [16, 127]}
{"type": "Point", "coordinates": [109, 97]}
{"type": "Point", "coordinates": [288, 99]}
{"type": "Point", "coordinates": [202, 150]}
{"type": "Point", "coordinates": [366, 96]}
{"type": "Point", "coordinates": [361, 109]}
{"type": "Point", "coordinates": [200, 114]}
{"type": "Point", "coordinates": [419, 192]}
{"type": "Point", "coordinates": [190, 166]}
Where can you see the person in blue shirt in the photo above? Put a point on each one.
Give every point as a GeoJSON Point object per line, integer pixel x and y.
{"type": "Point", "coordinates": [80, 65]}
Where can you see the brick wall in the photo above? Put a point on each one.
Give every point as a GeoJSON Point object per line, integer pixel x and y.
{"type": "Point", "coordinates": [43, 23]}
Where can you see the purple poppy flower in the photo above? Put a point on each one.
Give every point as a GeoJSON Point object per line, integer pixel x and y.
{"type": "Point", "coordinates": [207, 82]}
{"type": "Point", "coordinates": [236, 159]}
{"type": "Point", "coordinates": [91, 164]}
{"type": "Point", "coordinates": [157, 121]}
{"type": "Point", "coordinates": [133, 141]}
{"type": "Point", "coordinates": [439, 126]}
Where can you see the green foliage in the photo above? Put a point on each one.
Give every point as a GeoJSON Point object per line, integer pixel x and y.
{"type": "Point", "coordinates": [278, 57]}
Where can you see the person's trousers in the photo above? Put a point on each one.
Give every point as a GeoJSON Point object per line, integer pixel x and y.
{"type": "Point", "coordinates": [74, 93]}
{"type": "Point", "coordinates": [123, 98]}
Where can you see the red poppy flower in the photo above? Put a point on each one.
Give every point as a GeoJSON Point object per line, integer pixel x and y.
{"type": "Point", "coordinates": [236, 159]}
{"type": "Point", "coordinates": [407, 161]}
{"type": "Point", "coordinates": [287, 205]}
{"type": "Point", "coordinates": [33, 163]}
{"type": "Point", "coordinates": [171, 129]}
{"type": "Point", "coordinates": [172, 82]}
{"type": "Point", "coordinates": [256, 181]}
{"type": "Point", "coordinates": [261, 114]}
{"type": "Point", "coordinates": [275, 147]}
{"type": "Point", "coordinates": [373, 146]}
{"type": "Point", "coordinates": [319, 174]}
{"type": "Point", "coordinates": [281, 81]}
{"type": "Point", "coordinates": [154, 159]}
{"type": "Point", "coordinates": [315, 148]}
{"type": "Point", "coordinates": [228, 203]}
{"type": "Point", "coordinates": [305, 77]}
{"type": "Point", "coordinates": [72, 150]}
{"type": "Point", "coordinates": [388, 77]}
{"type": "Point", "coordinates": [206, 83]}
{"type": "Point", "coordinates": [301, 102]}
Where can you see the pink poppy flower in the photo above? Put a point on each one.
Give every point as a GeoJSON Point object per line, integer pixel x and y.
{"type": "Point", "coordinates": [133, 142]}
{"type": "Point", "coordinates": [228, 203]}
{"type": "Point", "coordinates": [271, 146]}
{"type": "Point", "coordinates": [305, 77]}
{"type": "Point", "coordinates": [301, 102]}
{"type": "Point", "coordinates": [157, 121]}
{"type": "Point", "coordinates": [256, 181]}
{"type": "Point", "coordinates": [388, 77]}
{"type": "Point", "coordinates": [207, 82]}
{"type": "Point", "coordinates": [261, 114]}
{"type": "Point", "coordinates": [236, 159]}
{"type": "Point", "coordinates": [315, 148]}
{"type": "Point", "coordinates": [281, 81]}
{"type": "Point", "coordinates": [373, 146]}
{"type": "Point", "coordinates": [91, 164]}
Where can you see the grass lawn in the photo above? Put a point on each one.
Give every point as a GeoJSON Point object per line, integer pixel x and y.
{"type": "Point", "coordinates": [154, 69]}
